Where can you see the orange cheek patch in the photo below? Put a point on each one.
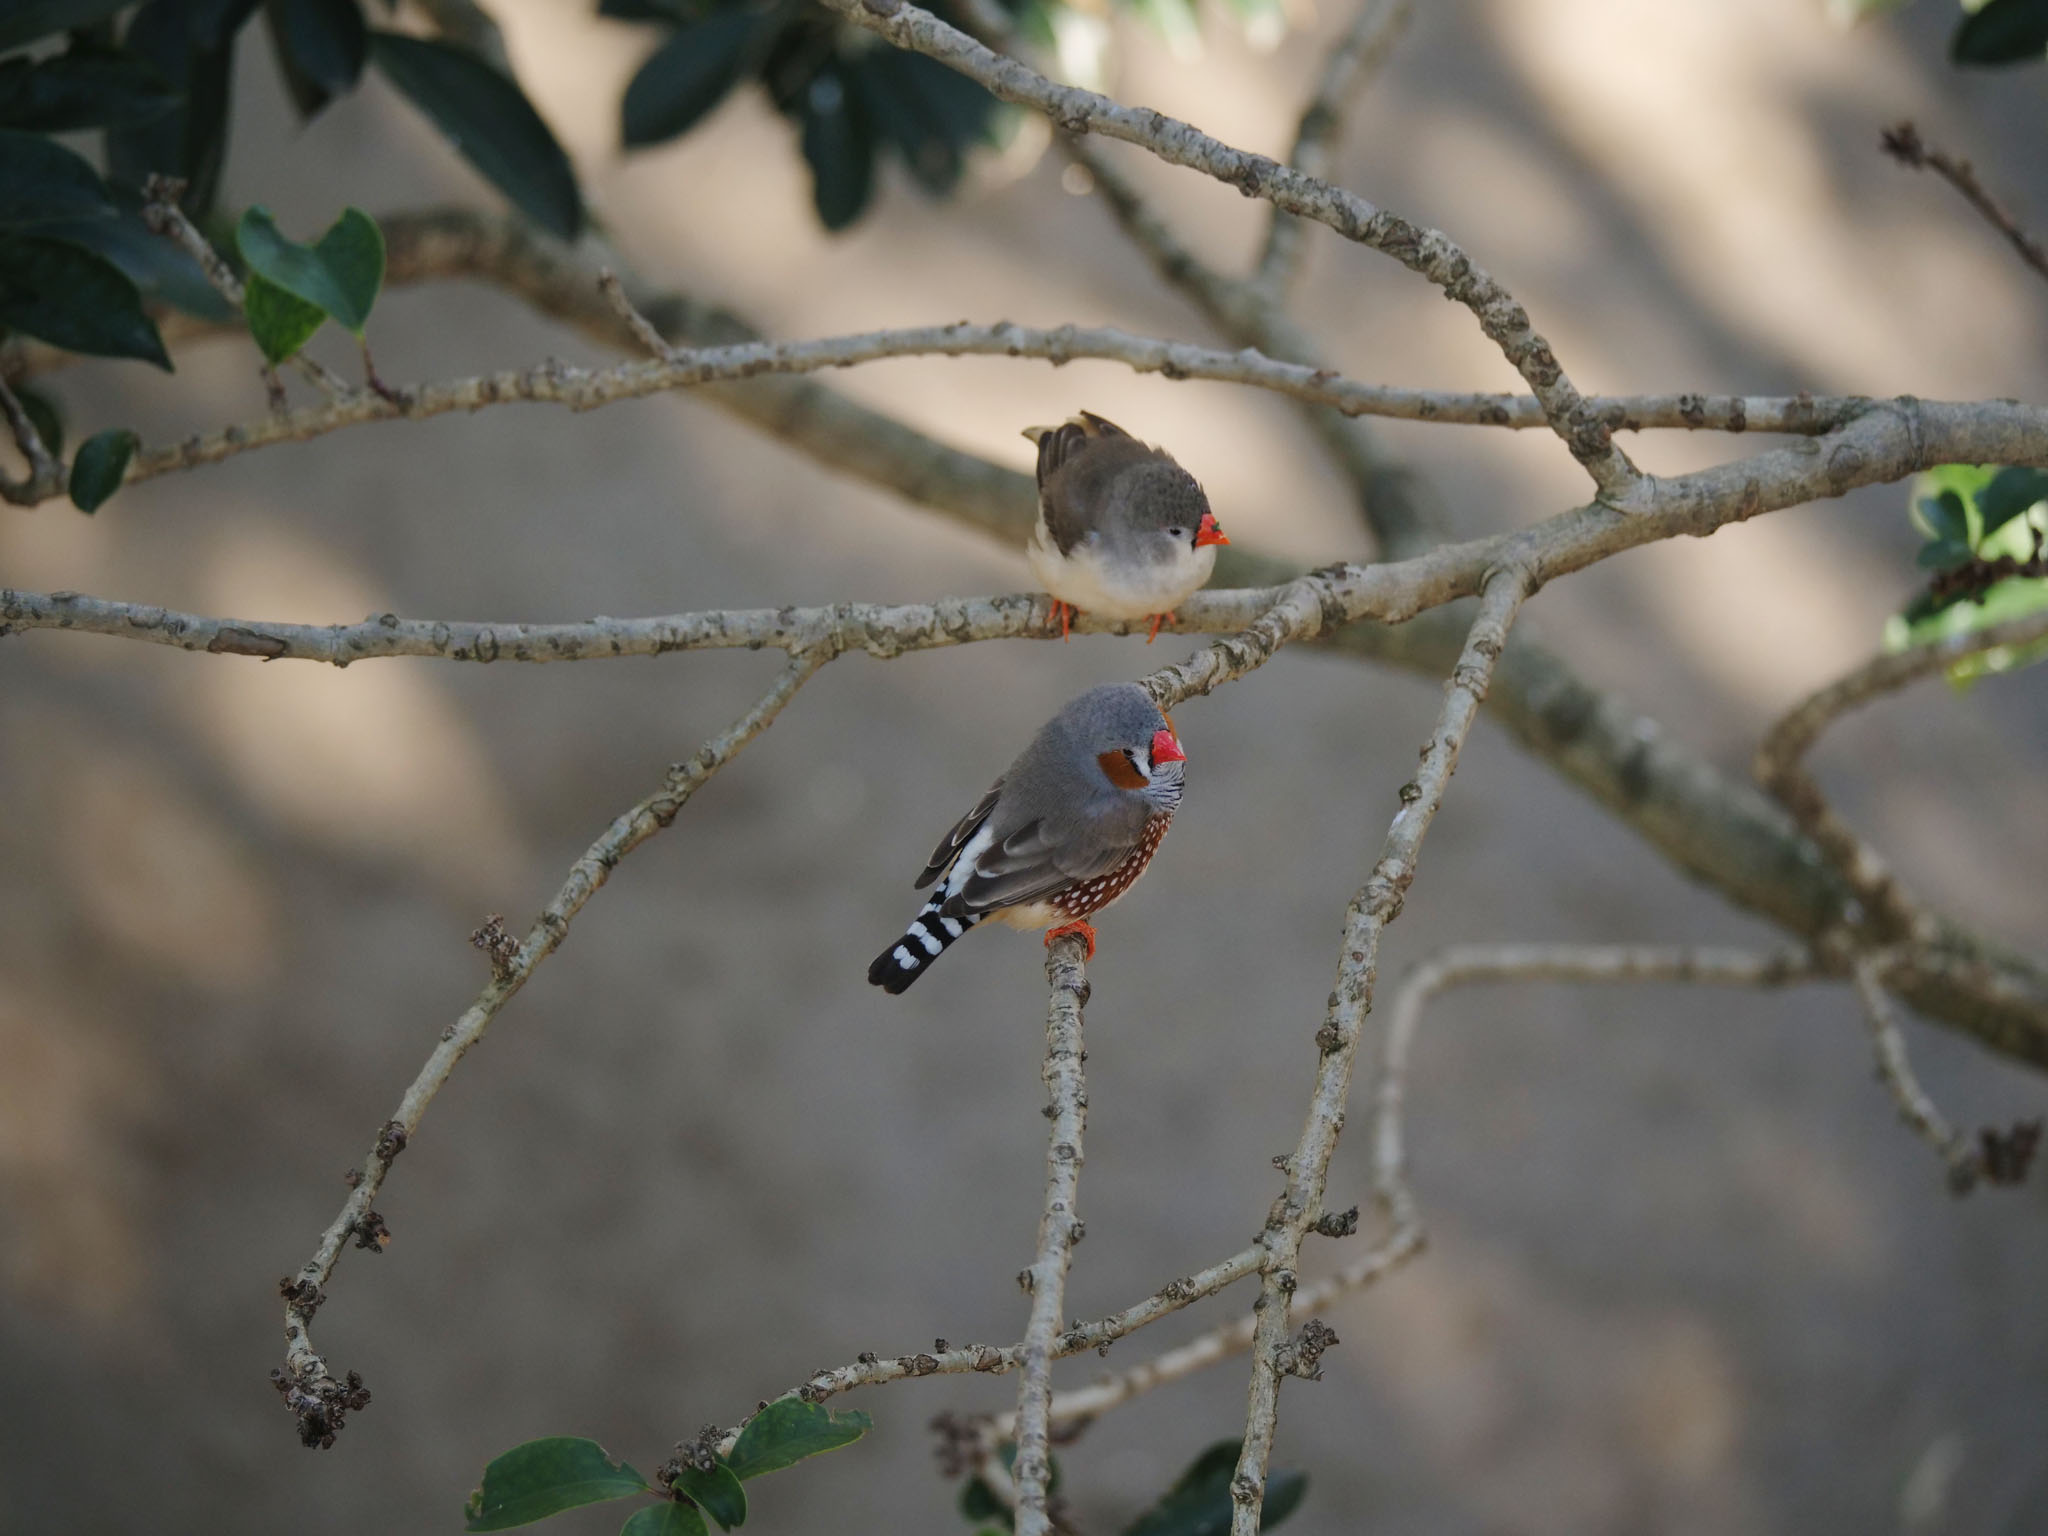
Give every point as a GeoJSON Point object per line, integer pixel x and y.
{"type": "Point", "coordinates": [1120, 770]}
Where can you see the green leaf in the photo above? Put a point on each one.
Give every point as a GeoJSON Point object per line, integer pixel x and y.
{"type": "Point", "coordinates": [2013, 598]}
{"type": "Point", "coordinates": [44, 416]}
{"type": "Point", "coordinates": [161, 270]}
{"type": "Point", "coordinates": [281, 322]}
{"type": "Point", "coordinates": [1943, 555]}
{"type": "Point", "coordinates": [2011, 492]}
{"type": "Point", "coordinates": [687, 76]}
{"type": "Point", "coordinates": [926, 111]}
{"type": "Point", "coordinates": [2002, 32]}
{"type": "Point", "coordinates": [718, 1492]}
{"type": "Point", "coordinates": [320, 46]}
{"type": "Point", "coordinates": [41, 182]}
{"type": "Point", "coordinates": [195, 52]}
{"type": "Point", "coordinates": [74, 299]}
{"type": "Point", "coordinates": [23, 21]}
{"type": "Point", "coordinates": [339, 274]}
{"type": "Point", "coordinates": [788, 1430]}
{"type": "Point", "coordinates": [489, 119]}
{"type": "Point", "coordinates": [978, 1501]}
{"type": "Point", "coordinates": [353, 250]}
{"type": "Point", "coordinates": [84, 88]}
{"type": "Point", "coordinates": [544, 1477]}
{"type": "Point", "coordinates": [100, 465]}
{"type": "Point", "coordinates": [1946, 518]}
{"type": "Point", "coordinates": [671, 1517]}
{"type": "Point", "coordinates": [1199, 1503]}
{"type": "Point", "coordinates": [839, 147]}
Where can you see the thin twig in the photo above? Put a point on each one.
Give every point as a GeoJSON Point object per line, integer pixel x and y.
{"type": "Point", "coordinates": [1895, 1070]}
{"type": "Point", "coordinates": [1458, 966]}
{"type": "Point", "coordinates": [555, 383]}
{"type": "Point", "coordinates": [1429, 253]}
{"type": "Point", "coordinates": [1904, 144]}
{"type": "Point", "coordinates": [1059, 1228]}
{"type": "Point", "coordinates": [45, 473]}
{"type": "Point", "coordinates": [642, 328]}
{"type": "Point", "coordinates": [1886, 910]}
{"type": "Point", "coordinates": [1377, 903]}
{"type": "Point", "coordinates": [1347, 69]}
{"type": "Point", "coordinates": [310, 1389]}
{"type": "Point", "coordinates": [874, 1370]}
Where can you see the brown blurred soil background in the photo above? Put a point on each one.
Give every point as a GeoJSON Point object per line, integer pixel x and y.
{"type": "Point", "coordinates": [1688, 1273]}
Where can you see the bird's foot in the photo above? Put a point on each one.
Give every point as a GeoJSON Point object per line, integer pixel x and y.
{"type": "Point", "coordinates": [1065, 613]}
{"type": "Point", "coordinates": [1157, 620]}
{"type": "Point", "coordinates": [1083, 928]}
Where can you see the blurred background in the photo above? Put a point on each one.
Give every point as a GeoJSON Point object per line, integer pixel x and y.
{"type": "Point", "coordinates": [1687, 1272]}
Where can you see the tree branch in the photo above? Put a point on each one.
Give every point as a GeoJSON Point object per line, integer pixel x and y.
{"type": "Point", "coordinates": [1427, 252]}
{"type": "Point", "coordinates": [1405, 1237]}
{"type": "Point", "coordinates": [310, 1390]}
{"type": "Point", "coordinates": [556, 383]}
{"type": "Point", "coordinates": [1895, 1070]}
{"type": "Point", "coordinates": [1377, 903]}
{"type": "Point", "coordinates": [1904, 144]}
{"type": "Point", "coordinates": [46, 475]}
{"type": "Point", "coordinates": [1347, 68]}
{"type": "Point", "coordinates": [1883, 907]}
{"type": "Point", "coordinates": [1059, 1229]}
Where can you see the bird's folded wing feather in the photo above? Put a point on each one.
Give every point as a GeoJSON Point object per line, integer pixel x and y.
{"type": "Point", "coordinates": [963, 829]}
{"type": "Point", "coordinates": [1033, 862]}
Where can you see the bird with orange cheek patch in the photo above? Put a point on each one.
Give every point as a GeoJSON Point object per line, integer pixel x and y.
{"type": "Point", "coordinates": [1064, 832]}
{"type": "Point", "coordinates": [1123, 531]}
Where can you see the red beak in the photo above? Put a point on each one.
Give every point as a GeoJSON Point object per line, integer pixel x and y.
{"type": "Point", "coordinates": [1207, 531]}
{"type": "Point", "coordinates": [1165, 749]}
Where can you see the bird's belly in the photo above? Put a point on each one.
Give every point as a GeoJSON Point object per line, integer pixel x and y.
{"type": "Point", "coordinates": [1039, 914]}
{"type": "Point", "coordinates": [1087, 579]}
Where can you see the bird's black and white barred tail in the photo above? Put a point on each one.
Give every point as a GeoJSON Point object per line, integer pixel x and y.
{"type": "Point", "coordinates": [929, 935]}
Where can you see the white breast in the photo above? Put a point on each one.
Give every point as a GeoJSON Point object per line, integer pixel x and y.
{"type": "Point", "coordinates": [1091, 581]}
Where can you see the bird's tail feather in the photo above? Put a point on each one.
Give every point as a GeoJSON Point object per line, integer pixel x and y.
{"type": "Point", "coordinates": [929, 935]}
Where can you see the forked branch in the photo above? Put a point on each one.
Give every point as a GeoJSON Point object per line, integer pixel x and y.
{"type": "Point", "coordinates": [1428, 252]}
{"type": "Point", "coordinates": [311, 1391]}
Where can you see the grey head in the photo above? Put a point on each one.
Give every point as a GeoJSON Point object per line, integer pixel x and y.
{"type": "Point", "coordinates": [1097, 481]}
{"type": "Point", "coordinates": [1110, 754]}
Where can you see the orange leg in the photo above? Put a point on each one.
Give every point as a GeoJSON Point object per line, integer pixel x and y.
{"type": "Point", "coordinates": [1159, 619]}
{"type": "Point", "coordinates": [1065, 613]}
{"type": "Point", "coordinates": [1083, 928]}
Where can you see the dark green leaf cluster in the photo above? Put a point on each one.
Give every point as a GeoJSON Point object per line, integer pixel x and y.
{"type": "Point", "coordinates": [1985, 530]}
{"type": "Point", "coordinates": [2002, 32]}
{"type": "Point", "coordinates": [545, 1477]}
{"type": "Point", "coordinates": [849, 99]}
{"type": "Point", "coordinates": [77, 265]}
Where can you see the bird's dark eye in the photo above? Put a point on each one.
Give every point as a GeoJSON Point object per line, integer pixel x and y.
{"type": "Point", "coordinates": [1176, 533]}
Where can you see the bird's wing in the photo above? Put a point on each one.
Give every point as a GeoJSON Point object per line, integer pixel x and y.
{"type": "Point", "coordinates": [1036, 860]}
{"type": "Point", "coordinates": [1058, 447]}
{"type": "Point", "coordinates": [963, 829]}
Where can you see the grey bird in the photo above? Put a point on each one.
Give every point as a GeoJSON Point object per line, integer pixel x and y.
{"type": "Point", "coordinates": [1062, 834]}
{"type": "Point", "coordinates": [1123, 530]}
